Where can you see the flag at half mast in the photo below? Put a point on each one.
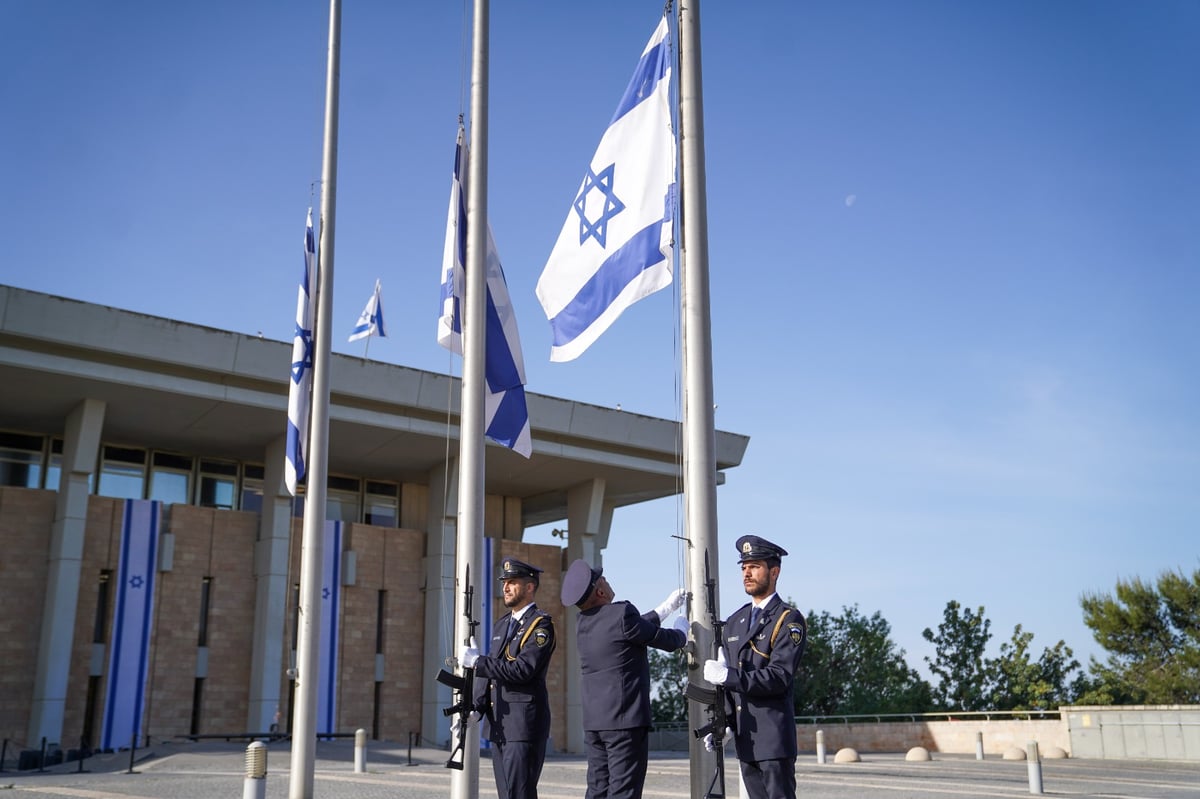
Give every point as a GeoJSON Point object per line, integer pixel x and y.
{"type": "Point", "coordinates": [615, 246]}
{"type": "Point", "coordinates": [506, 415]}
{"type": "Point", "coordinates": [370, 321]}
{"type": "Point", "coordinates": [299, 392]}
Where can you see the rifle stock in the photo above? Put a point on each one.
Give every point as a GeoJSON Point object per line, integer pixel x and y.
{"type": "Point", "coordinates": [463, 686]}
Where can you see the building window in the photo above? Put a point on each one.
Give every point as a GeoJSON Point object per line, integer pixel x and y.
{"type": "Point", "coordinates": [382, 506]}
{"type": "Point", "coordinates": [123, 473]}
{"type": "Point", "coordinates": [341, 501]}
{"type": "Point", "coordinates": [218, 484]}
{"type": "Point", "coordinates": [21, 460]}
{"type": "Point", "coordinates": [252, 488]}
{"type": "Point", "coordinates": [54, 466]}
{"type": "Point", "coordinates": [170, 476]}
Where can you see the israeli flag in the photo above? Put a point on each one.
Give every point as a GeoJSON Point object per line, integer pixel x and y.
{"type": "Point", "coordinates": [615, 246]}
{"type": "Point", "coordinates": [299, 401]}
{"type": "Point", "coordinates": [506, 416]}
{"type": "Point", "coordinates": [370, 321]}
{"type": "Point", "coordinates": [133, 617]}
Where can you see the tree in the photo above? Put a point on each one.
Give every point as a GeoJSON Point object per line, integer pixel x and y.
{"type": "Point", "coordinates": [1152, 634]}
{"type": "Point", "coordinates": [960, 642]}
{"type": "Point", "coordinates": [1018, 683]}
{"type": "Point", "coordinates": [852, 666]}
{"type": "Point", "coordinates": [668, 680]}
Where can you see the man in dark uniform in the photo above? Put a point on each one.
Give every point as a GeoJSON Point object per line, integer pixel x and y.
{"type": "Point", "coordinates": [615, 684]}
{"type": "Point", "coordinates": [510, 684]}
{"type": "Point", "coordinates": [764, 640]}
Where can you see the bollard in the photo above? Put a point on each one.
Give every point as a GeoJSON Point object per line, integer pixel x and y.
{"type": "Point", "coordinates": [255, 784]}
{"type": "Point", "coordinates": [1035, 767]}
{"type": "Point", "coordinates": [360, 751]}
{"type": "Point", "coordinates": [979, 746]}
{"type": "Point", "coordinates": [411, 736]}
{"type": "Point", "coordinates": [3, 754]}
{"type": "Point", "coordinates": [132, 750]}
{"type": "Point", "coordinates": [42, 756]}
{"type": "Point", "coordinates": [820, 747]}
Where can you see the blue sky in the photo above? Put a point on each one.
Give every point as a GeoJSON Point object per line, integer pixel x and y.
{"type": "Point", "coordinates": [953, 252]}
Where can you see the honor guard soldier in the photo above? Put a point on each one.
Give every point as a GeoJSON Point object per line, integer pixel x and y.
{"type": "Point", "coordinates": [764, 640]}
{"type": "Point", "coordinates": [615, 683]}
{"type": "Point", "coordinates": [510, 684]}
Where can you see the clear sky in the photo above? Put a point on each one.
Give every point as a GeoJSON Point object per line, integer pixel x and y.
{"type": "Point", "coordinates": [953, 246]}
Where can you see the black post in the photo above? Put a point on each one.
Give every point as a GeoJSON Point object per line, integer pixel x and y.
{"type": "Point", "coordinates": [3, 754]}
{"type": "Point", "coordinates": [82, 744]}
{"type": "Point", "coordinates": [42, 759]}
{"type": "Point", "coordinates": [132, 749]}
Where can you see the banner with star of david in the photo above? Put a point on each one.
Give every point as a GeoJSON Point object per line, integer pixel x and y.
{"type": "Point", "coordinates": [300, 385]}
{"type": "Point", "coordinates": [129, 646]}
{"type": "Point", "coordinates": [327, 651]}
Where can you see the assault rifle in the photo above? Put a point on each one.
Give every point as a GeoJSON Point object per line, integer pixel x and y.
{"type": "Point", "coordinates": [713, 698]}
{"type": "Point", "coordinates": [463, 686]}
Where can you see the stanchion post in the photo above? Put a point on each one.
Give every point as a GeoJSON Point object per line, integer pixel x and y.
{"type": "Point", "coordinates": [254, 786]}
{"type": "Point", "coordinates": [360, 751]}
{"type": "Point", "coordinates": [42, 757]}
{"type": "Point", "coordinates": [979, 745]}
{"type": "Point", "coordinates": [1035, 767]}
{"type": "Point", "coordinates": [3, 754]}
{"type": "Point", "coordinates": [820, 747]}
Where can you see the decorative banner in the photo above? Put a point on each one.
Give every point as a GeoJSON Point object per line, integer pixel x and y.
{"type": "Point", "coordinates": [331, 603]}
{"type": "Point", "coordinates": [129, 647]}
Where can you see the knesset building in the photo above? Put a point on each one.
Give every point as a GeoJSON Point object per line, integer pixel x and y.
{"type": "Point", "coordinates": [101, 408]}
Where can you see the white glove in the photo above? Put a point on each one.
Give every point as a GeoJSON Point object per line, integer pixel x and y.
{"type": "Point", "coordinates": [715, 671]}
{"type": "Point", "coordinates": [682, 624]}
{"type": "Point", "coordinates": [671, 603]}
{"type": "Point", "coordinates": [469, 655]}
{"type": "Point", "coordinates": [455, 721]}
{"type": "Point", "coordinates": [708, 740]}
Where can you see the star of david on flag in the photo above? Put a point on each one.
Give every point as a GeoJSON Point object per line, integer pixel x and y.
{"type": "Point", "coordinates": [299, 399]}
{"type": "Point", "coordinates": [615, 245]}
{"type": "Point", "coordinates": [506, 415]}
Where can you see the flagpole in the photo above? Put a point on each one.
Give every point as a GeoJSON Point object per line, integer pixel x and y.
{"type": "Point", "coordinates": [464, 784]}
{"type": "Point", "coordinates": [304, 717]}
{"type": "Point", "coordinates": [700, 467]}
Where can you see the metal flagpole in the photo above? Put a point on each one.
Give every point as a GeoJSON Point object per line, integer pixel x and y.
{"type": "Point", "coordinates": [464, 784]}
{"type": "Point", "coordinates": [699, 446]}
{"type": "Point", "coordinates": [304, 717]}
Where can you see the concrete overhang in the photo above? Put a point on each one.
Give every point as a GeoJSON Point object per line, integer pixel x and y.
{"type": "Point", "coordinates": [218, 394]}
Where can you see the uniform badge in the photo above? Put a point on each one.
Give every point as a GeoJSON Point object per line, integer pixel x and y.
{"type": "Point", "coordinates": [796, 634]}
{"type": "Point", "coordinates": [746, 548]}
{"type": "Point", "coordinates": [508, 565]}
{"type": "Point", "coordinates": [540, 638]}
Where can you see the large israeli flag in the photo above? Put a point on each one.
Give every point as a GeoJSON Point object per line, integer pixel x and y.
{"type": "Point", "coordinates": [615, 246]}
{"type": "Point", "coordinates": [331, 602]}
{"type": "Point", "coordinates": [370, 321]}
{"type": "Point", "coordinates": [129, 646]}
{"type": "Point", "coordinates": [299, 400]}
{"type": "Point", "coordinates": [506, 416]}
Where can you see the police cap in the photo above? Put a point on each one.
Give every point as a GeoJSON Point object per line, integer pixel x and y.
{"type": "Point", "coordinates": [752, 547]}
{"type": "Point", "coordinates": [578, 582]}
{"type": "Point", "coordinates": [512, 568]}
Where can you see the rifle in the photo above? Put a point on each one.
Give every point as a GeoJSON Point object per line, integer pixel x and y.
{"type": "Point", "coordinates": [713, 698]}
{"type": "Point", "coordinates": [464, 686]}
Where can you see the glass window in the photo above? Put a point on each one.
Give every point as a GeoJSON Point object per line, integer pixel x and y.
{"type": "Point", "coordinates": [54, 466]}
{"type": "Point", "coordinates": [252, 488]}
{"type": "Point", "coordinates": [170, 477]}
{"type": "Point", "coordinates": [21, 460]}
{"type": "Point", "coordinates": [381, 506]}
{"type": "Point", "coordinates": [218, 484]}
{"type": "Point", "coordinates": [123, 473]}
{"type": "Point", "coordinates": [341, 501]}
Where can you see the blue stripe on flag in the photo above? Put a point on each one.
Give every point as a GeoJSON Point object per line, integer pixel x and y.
{"type": "Point", "coordinates": [637, 255]}
{"type": "Point", "coordinates": [330, 605]}
{"type": "Point", "coordinates": [650, 70]}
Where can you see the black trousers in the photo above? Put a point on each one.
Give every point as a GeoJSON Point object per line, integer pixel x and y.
{"type": "Point", "coordinates": [770, 779]}
{"type": "Point", "coordinates": [616, 763]}
{"type": "Point", "coordinates": [517, 766]}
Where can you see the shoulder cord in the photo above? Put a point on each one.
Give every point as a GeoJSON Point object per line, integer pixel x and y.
{"type": "Point", "coordinates": [774, 635]}
{"type": "Point", "coordinates": [524, 638]}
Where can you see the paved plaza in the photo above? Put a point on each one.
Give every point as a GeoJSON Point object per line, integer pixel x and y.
{"type": "Point", "coordinates": [215, 770]}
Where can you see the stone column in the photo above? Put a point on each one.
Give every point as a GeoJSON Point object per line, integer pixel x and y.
{"type": "Point", "coordinates": [81, 445]}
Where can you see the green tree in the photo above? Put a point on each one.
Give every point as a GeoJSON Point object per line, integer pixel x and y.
{"type": "Point", "coordinates": [852, 666]}
{"type": "Point", "coordinates": [960, 665]}
{"type": "Point", "coordinates": [1019, 683]}
{"type": "Point", "coordinates": [1152, 635]}
{"type": "Point", "coordinates": [668, 679]}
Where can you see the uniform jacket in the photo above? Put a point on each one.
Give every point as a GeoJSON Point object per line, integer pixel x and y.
{"type": "Point", "coordinates": [761, 674]}
{"type": "Point", "coordinates": [615, 684]}
{"type": "Point", "coordinates": [510, 681]}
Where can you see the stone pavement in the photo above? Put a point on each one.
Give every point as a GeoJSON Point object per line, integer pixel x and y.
{"type": "Point", "coordinates": [217, 771]}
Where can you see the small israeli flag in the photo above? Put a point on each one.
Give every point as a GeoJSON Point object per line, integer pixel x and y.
{"type": "Point", "coordinates": [299, 399]}
{"type": "Point", "coordinates": [506, 415]}
{"type": "Point", "coordinates": [615, 246]}
{"type": "Point", "coordinates": [370, 321]}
